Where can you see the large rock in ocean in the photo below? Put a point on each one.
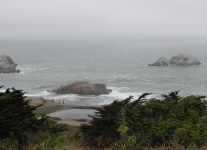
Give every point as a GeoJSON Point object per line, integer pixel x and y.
{"type": "Point", "coordinates": [7, 65]}
{"type": "Point", "coordinates": [180, 59]}
{"type": "Point", "coordinates": [83, 88]}
{"type": "Point", "coordinates": [162, 61]}
{"type": "Point", "coordinates": [184, 59]}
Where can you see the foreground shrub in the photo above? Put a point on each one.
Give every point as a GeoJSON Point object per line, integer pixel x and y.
{"type": "Point", "coordinates": [19, 127]}
{"type": "Point", "coordinates": [47, 141]}
{"type": "Point", "coordinates": [16, 115]}
{"type": "Point", "coordinates": [9, 144]}
{"type": "Point", "coordinates": [38, 141]}
{"type": "Point", "coordinates": [171, 121]}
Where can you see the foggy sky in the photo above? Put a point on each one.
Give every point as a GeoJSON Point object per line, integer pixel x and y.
{"type": "Point", "coordinates": [85, 18]}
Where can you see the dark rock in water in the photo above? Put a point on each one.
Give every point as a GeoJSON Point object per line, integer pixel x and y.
{"type": "Point", "coordinates": [180, 59]}
{"type": "Point", "coordinates": [184, 59]}
{"type": "Point", "coordinates": [162, 61]}
{"type": "Point", "coordinates": [83, 88]}
{"type": "Point", "coordinates": [7, 65]}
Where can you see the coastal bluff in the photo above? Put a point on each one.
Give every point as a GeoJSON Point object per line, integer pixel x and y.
{"type": "Point", "coordinates": [7, 65]}
{"type": "Point", "coordinates": [83, 88]}
{"type": "Point", "coordinates": [180, 59]}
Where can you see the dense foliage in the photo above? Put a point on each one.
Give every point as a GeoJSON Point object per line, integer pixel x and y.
{"type": "Point", "coordinates": [170, 121]}
{"type": "Point", "coordinates": [16, 115]}
{"type": "Point", "coordinates": [19, 126]}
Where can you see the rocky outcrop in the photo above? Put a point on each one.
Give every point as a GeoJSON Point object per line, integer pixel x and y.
{"type": "Point", "coordinates": [184, 59]}
{"type": "Point", "coordinates": [162, 61]}
{"type": "Point", "coordinates": [83, 88]}
{"type": "Point", "coordinates": [180, 59]}
{"type": "Point", "coordinates": [7, 65]}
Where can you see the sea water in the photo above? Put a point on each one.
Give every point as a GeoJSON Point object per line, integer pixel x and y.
{"type": "Point", "coordinates": [121, 64]}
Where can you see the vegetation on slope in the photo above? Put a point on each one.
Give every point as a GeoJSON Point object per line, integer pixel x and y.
{"type": "Point", "coordinates": [21, 129]}
{"type": "Point", "coordinates": [171, 121]}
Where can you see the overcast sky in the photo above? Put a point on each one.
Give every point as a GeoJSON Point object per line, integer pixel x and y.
{"type": "Point", "coordinates": [83, 18]}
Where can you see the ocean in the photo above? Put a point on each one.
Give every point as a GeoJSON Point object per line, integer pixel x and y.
{"type": "Point", "coordinates": [120, 63]}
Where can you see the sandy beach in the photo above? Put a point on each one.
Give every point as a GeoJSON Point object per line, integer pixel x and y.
{"type": "Point", "coordinates": [72, 115]}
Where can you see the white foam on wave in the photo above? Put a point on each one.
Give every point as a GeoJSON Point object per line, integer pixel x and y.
{"type": "Point", "coordinates": [122, 93]}
{"type": "Point", "coordinates": [40, 94]}
{"type": "Point", "coordinates": [118, 93]}
{"type": "Point", "coordinates": [55, 97]}
{"type": "Point", "coordinates": [28, 69]}
{"type": "Point", "coordinates": [43, 68]}
{"type": "Point", "coordinates": [1, 90]}
{"type": "Point", "coordinates": [68, 97]}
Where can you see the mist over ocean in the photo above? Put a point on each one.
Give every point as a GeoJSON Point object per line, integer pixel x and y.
{"type": "Point", "coordinates": [119, 63]}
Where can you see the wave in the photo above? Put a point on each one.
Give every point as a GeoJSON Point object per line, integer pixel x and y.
{"type": "Point", "coordinates": [28, 69]}
{"type": "Point", "coordinates": [40, 94]}
{"type": "Point", "coordinates": [68, 97]}
{"type": "Point", "coordinates": [55, 97]}
{"type": "Point", "coordinates": [118, 93]}
{"type": "Point", "coordinates": [122, 93]}
{"type": "Point", "coordinates": [1, 91]}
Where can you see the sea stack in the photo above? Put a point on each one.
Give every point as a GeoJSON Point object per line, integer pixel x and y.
{"type": "Point", "coordinates": [162, 61]}
{"type": "Point", "coordinates": [180, 59]}
{"type": "Point", "coordinates": [7, 65]}
{"type": "Point", "coordinates": [184, 59]}
{"type": "Point", "coordinates": [83, 88]}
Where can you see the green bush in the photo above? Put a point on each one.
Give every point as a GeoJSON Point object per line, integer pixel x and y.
{"type": "Point", "coordinates": [48, 141]}
{"type": "Point", "coordinates": [9, 144]}
{"type": "Point", "coordinates": [19, 126]}
{"type": "Point", "coordinates": [16, 115]}
{"type": "Point", "coordinates": [103, 130]}
{"type": "Point", "coordinates": [170, 121]}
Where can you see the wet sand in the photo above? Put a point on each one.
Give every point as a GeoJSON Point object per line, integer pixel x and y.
{"type": "Point", "coordinates": [72, 115]}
